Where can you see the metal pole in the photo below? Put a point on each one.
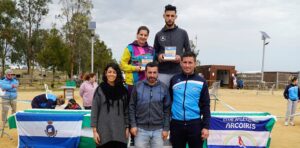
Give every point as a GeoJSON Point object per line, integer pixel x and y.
{"type": "Point", "coordinates": [298, 78]}
{"type": "Point", "coordinates": [92, 55]}
{"type": "Point", "coordinates": [277, 79]}
{"type": "Point", "coordinates": [263, 60]}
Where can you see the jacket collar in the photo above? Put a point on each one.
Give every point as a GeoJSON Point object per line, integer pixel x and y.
{"type": "Point", "coordinates": [156, 84]}
{"type": "Point", "coordinates": [135, 43]}
{"type": "Point", "coordinates": [167, 29]}
{"type": "Point", "coordinates": [188, 76]}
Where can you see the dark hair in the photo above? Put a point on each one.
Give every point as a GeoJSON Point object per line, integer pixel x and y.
{"type": "Point", "coordinates": [88, 76]}
{"type": "Point", "coordinates": [292, 79]}
{"type": "Point", "coordinates": [60, 100]}
{"type": "Point", "coordinates": [119, 80]}
{"type": "Point", "coordinates": [151, 64]}
{"type": "Point", "coordinates": [143, 28]}
{"type": "Point", "coordinates": [170, 8]}
{"type": "Point", "coordinates": [189, 54]}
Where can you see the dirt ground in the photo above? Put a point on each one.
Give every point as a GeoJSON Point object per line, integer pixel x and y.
{"type": "Point", "coordinates": [241, 100]}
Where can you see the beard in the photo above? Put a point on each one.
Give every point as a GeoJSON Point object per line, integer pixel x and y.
{"type": "Point", "coordinates": [169, 24]}
{"type": "Point", "coordinates": [152, 79]}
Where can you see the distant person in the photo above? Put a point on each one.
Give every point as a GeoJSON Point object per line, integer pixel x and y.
{"type": "Point", "coordinates": [190, 106]}
{"type": "Point", "coordinates": [170, 36]}
{"type": "Point", "coordinates": [9, 86]}
{"type": "Point", "coordinates": [72, 104]}
{"type": "Point", "coordinates": [47, 101]}
{"type": "Point", "coordinates": [109, 116]}
{"type": "Point", "coordinates": [132, 56]}
{"type": "Point", "coordinates": [149, 110]}
{"type": "Point", "coordinates": [240, 84]}
{"type": "Point", "coordinates": [234, 81]}
{"type": "Point", "coordinates": [292, 94]}
{"type": "Point", "coordinates": [87, 90]}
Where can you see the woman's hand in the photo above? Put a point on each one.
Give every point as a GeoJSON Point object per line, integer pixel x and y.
{"type": "Point", "coordinates": [127, 133]}
{"type": "Point", "coordinates": [96, 136]}
{"type": "Point", "coordinates": [138, 68]}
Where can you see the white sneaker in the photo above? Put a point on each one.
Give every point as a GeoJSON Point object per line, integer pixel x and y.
{"type": "Point", "coordinates": [286, 123]}
{"type": "Point", "coordinates": [292, 123]}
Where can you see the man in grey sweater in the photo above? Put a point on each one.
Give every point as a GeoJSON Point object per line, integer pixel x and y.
{"type": "Point", "coordinates": [149, 110]}
{"type": "Point", "coordinates": [170, 37]}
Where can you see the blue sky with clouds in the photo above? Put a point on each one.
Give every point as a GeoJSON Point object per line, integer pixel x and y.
{"type": "Point", "coordinates": [227, 30]}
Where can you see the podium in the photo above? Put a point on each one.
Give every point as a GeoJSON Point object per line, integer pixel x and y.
{"type": "Point", "coordinates": [68, 92]}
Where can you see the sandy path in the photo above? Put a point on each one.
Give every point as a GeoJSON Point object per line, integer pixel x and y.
{"type": "Point", "coordinates": [242, 100]}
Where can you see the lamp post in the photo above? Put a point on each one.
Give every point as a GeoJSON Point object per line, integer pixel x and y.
{"type": "Point", "coordinates": [298, 78]}
{"type": "Point", "coordinates": [92, 27]}
{"type": "Point", "coordinates": [264, 37]}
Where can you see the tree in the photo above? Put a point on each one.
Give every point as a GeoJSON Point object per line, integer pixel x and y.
{"type": "Point", "coordinates": [8, 25]}
{"type": "Point", "coordinates": [195, 50]}
{"type": "Point", "coordinates": [53, 53]}
{"type": "Point", "coordinates": [31, 14]}
{"type": "Point", "coordinates": [102, 54]}
{"type": "Point", "coordinates": [77, 14]}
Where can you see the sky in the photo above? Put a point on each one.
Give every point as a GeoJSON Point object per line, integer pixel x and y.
{"type": "Point", "coordinates": [227, 31]}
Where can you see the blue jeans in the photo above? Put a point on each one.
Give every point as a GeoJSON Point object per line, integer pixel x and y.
{"type": "Point", "coordinates": [149, 139]}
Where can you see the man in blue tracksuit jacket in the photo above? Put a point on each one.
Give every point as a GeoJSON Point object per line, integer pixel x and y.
{"type": "Point", "coordinates": [190, 106]}
{"type": "Point", "coordinates": [9, 85]}
{"type": "Point", "coordinates": [149, 110]}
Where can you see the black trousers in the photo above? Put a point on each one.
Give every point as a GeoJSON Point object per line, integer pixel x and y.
{"type": "Point", "coordinates": [87, 107]}
{"type": "Point", "coordinates": [186, 132]}
{"type": "Point", "coordinates": [113, 144]}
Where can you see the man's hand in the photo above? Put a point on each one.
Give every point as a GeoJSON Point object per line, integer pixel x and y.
{"type": "Point", "coordinates": [14, 86]}
{"type": "Point", "coordinates": [133, 131]}
{"type": "Point", "coordinates": [177, 59]}
{"type": "Point", "coordinates": [165, 135]}
{"type": "Point", "coordinates": [204, 133]}
{"type": "Point", "coordinates": [96, 137]}
{"type": "Point", "coordinates": [161, 57]}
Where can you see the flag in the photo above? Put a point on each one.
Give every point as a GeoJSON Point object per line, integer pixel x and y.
{"type": "Point", "coordinates": [45, 130]}
{"type": "Point", "coordinates": [240, 131]}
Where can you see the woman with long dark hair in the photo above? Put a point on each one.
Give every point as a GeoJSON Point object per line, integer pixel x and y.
{"type": "Point", "coordinates": [109, 116]}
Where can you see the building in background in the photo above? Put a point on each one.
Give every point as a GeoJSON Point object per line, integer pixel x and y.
{"type": "Point", "coordinates": [222, 73]}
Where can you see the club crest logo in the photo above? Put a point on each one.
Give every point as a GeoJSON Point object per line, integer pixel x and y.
{"type": "Point", "coordinates": [163, 38]}
{"type": "Point", "coordinates": [195, 89]}
{"type": "Point", "coordinates": [50, 130]}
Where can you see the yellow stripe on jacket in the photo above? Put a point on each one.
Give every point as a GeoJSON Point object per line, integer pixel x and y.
{"type": "Point", "coordinates": [126, 67]}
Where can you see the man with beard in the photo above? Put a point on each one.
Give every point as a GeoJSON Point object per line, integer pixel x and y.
{"type": "Point", "coordinates": [149, 110]}
{"type": "Point", "coordinates": [170, 37]}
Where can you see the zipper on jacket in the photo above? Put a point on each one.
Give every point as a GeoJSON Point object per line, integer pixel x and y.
{"type": "Point", "coordinates": [184, 97]}
{"type": "Point", "coordinates": [151, 94]}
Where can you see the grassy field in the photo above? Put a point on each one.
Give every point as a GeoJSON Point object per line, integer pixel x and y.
{"type": "Point", "coordinates": [241, 100]}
